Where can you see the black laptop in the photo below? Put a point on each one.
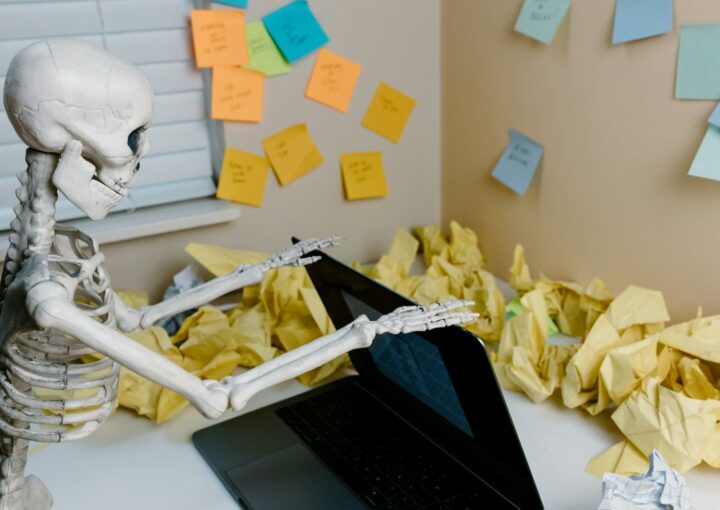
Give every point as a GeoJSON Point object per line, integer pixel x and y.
{"type": "Point", "coordinates": [422, 426]}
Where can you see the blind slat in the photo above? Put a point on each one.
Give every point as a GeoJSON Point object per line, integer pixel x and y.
{"type": "Point", "coordinates": [32, 20]}
{"type": "Point", "coordinates": [173, 76]}
{"type": "Point", "coordinates": [153, 46]}
{"type": "Point", "coordinates": [179, 107]}
{"type": "Point", "coordinates": [132, 15]}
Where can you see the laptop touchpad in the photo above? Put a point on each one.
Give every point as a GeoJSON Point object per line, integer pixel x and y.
{"type": "Point", "coordinates": [291, 478]}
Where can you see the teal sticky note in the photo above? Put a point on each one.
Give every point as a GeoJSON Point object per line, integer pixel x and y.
{"type": "Point", "coordinates": [295, 30]}
{"type": "Point", "coordinates": [639, 19]}
{"type": "Point", "coordinates": [707, 160]}
{"type": "Point", "coordinates": [715, 116]}
{"type": "Point", "coordinates": [698, 65]}
{"type": "Point", "coordinates": [235, 3]}
{"type": "Point", "coordinates": [518, 163]}
{"type": "Point", "coordinates": [540, 19]}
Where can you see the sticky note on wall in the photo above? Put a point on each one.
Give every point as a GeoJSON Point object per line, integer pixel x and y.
{"type": "Point", "coordinates": [540, 19]}
{"type": "Point", "coordinates": [518, 163]}
{"type": "Point", "coordinates": [295, 30]}
{"type": "Point", "coordinates": [698, 64]}
{"type": "Point", "coordinates": [219, 37]}
{"type": "Point", "coordinates": [243, 177]}
{"type": "Point", "coordinates": [706, 163]}
{"type": "Point", "coordinates": [237, 94]}
{"type": "Point", "coordinates": [333, 80]}
{"type": "Point", "coordinates": [292, 153]}
{"type": "Point", "coordinates": [639, 19]}
{"type": "Point", "coordinates": [242, 4]}
{"type": "Point", "coordinates": [264, 55]}
{"type": "Point", "coordinates": [363, 175]}
{"type": "Point", "coordinates": [388, 112]}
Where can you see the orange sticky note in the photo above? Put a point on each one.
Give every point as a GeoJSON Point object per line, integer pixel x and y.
{"type": "Point", "coordinates": [333, 80]}
{"type": "Point", "coordinates": [243, 177]}
{"type": "Point", "coordinates": [292, 153]}
{"type": "Point", "coordinates": [237, 94]}
{"type": "Point", "coordinates": [388, 112]}
{"type": "Point", "coordinates": [363, 175]}
{"type": "Point", "coordinates": [219, 38]}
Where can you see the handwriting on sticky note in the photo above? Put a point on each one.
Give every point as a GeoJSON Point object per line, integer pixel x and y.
{"type": "Point", "coordinates": [540, 19]}
{"type": "Point", "coordinates": [292, 153]}
{"type": "Point", "coordinates": [363, 175]}
{"type": "Point", "coordinates": [333, 80]}
{"type": "Point", "coordinates": [264, 55]}
{"type": "Point", "coordinates": [219, 37]}
{"type": "Point", "coordinates": [388, 112]}
{"type": "Point", "coordinates": [237, 94]}
{"type": "Point", "coordinates": [295, 30]}
{"type": "Point", "coordinates": [518, 163]}
{"type": "Point", "coordinates": [243, 177]}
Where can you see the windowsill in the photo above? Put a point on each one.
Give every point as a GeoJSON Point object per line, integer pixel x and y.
{"type": "Point", "coordinates": [152, 221]}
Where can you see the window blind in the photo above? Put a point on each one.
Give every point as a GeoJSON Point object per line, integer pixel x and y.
{"type": "Point", "coordinates": [153, 35]}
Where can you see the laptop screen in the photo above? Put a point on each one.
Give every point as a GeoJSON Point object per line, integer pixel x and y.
{"type": "Point", "coordinates": [416, 365]}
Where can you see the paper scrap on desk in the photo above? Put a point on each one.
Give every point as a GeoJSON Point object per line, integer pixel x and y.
{"type": "Point", "coordinates": [219, 37]}
{"type": "Point", "coordinates": [243, 177]}
{"type": "Point", "coordinates": [264, 55]}
{"type": "Point", "coordinates": [706, 163]}
{"type": "Point", "coordinates": [540, 19]}
{"type": "Point", "coordinates": [237, 94]}
{"type": "Point", "coordinates": [622, 458]}
{"type": "Point", "coordinates": [292, 153]}
{"type": "Point", "coordinates": [388, 112]}
{"type": "Point", "coordinates": [363, 175]}
{"type": "Point", "coordinates": [295, 30]}
{"type": "Point", "coordinates": [660, 488]}
{"type": "Point", "coordinates": [518, 163]}
{"type": "Point", "coordinates": [639, 19]}
{"type": "Point", "coordinates": [698, 63]}
{"type": "Point", "coordinates": [333, 80]}
{"type": "Point", "coordinates": [242, 4]}
{"type": "Point", "coordinates": [220, 260]}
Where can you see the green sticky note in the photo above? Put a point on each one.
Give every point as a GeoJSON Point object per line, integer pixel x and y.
{"type": "Point", "coordinates": [515, 308]}
{"type": "Point", "coordinates": [540, 19]}
{"type": "Point", "coordinates": [698, 64]}
{"type": "Point", "coordinates": [707, 160]}
{"type": "Point", "coordinates": [264, 55]}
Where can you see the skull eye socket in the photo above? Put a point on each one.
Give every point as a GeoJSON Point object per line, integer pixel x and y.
{"type": "Point", "coordinates": [134, 139]}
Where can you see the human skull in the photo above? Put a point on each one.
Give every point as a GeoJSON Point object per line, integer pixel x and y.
{"type": "Point", "coordinates": [72, 98]}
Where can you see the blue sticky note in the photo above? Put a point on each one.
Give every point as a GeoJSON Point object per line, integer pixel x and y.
{"type": "Point", "coordinates": [235, 3]}
{"type": "Point", "coordinates": [295, 30]}
{"type": "Point", "coordinates": [639, 19]}
{"type": "Point", "coordinates": [518, 163]}
{"type": "Point", "coordinates": [707, 160]}
{"type": "Point", "coordinates": [715, 116]}
{"type": "Point", "coordinates": [698, 64]}
{"type": "Point", "coordinates": [540, 19]}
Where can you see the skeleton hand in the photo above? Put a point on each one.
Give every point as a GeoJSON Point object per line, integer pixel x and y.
{"type": "Point", "coordinates": [294, 255]}
{"type": "Point", "coordinates": [409, 319]}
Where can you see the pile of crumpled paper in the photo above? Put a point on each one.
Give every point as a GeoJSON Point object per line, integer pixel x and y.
{"type": "Point", "coordinates": [659, 382]}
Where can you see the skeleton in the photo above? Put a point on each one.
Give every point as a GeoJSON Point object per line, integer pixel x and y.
{"type": "Point", "coordinates": [84, 116]}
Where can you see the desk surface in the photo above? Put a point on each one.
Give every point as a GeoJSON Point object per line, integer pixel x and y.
{"type": "Point", "coordinates": [132, 463]}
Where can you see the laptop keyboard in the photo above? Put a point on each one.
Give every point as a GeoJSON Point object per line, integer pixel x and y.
{"type": "Point", "coordinates": [387, 463]}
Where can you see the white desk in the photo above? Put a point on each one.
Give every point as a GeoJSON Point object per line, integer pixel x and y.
{"type": "Point", "coordinates": [131, 463]}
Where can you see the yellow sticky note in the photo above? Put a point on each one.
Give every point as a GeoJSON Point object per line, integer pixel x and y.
{"type": "Point", "coordinates": [388, 112]}
{"type": "Point", "coordinates": [219, 38]}
{"type": "Point", "coordinates": [237, 94]}
{"type": "Point", "coordinates": [363, 175]}
{"type": "Point", "coordinates": [292, 153]}
{"type": "Point", "coordinates": [333, 80]}
{"type": "Point", "coordinates": [243, 177]}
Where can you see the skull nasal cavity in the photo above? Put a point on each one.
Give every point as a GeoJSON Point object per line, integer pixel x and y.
{"type": "Point", "coordinates": [134, 139]}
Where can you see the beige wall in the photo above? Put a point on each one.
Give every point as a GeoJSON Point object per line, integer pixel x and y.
{"type": "Point", "coordinates": [612, 197]}
{"type": "Point", "coordinates": [397, 42]}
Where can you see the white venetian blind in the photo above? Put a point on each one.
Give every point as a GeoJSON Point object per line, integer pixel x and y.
{"type": "Point", "coordinates": [152, 34]}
